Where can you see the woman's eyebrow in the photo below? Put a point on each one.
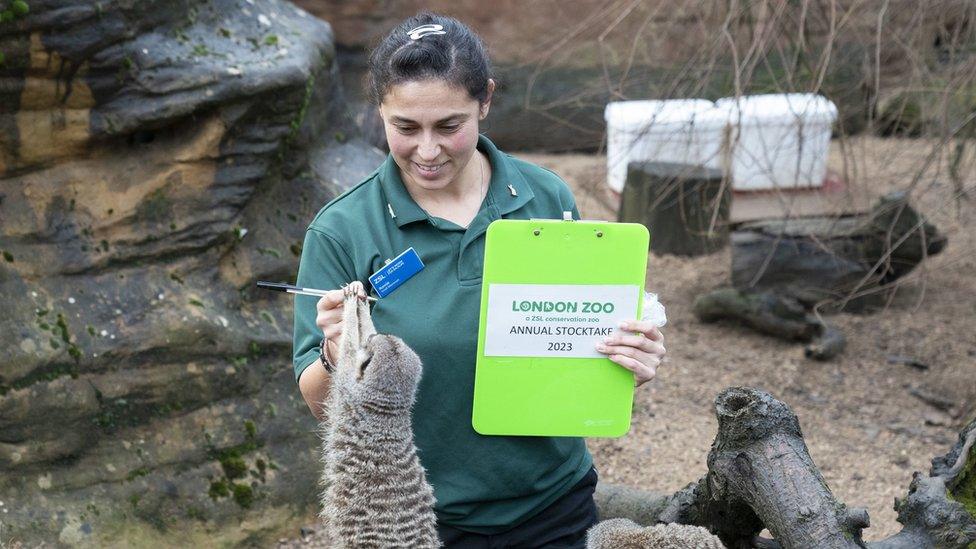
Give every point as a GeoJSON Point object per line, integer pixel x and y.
{"type": "Point", "coordinates": [460, 117]}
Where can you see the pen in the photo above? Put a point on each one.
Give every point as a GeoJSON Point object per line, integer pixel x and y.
{"type": "Point", "coordinates": [288, 288]}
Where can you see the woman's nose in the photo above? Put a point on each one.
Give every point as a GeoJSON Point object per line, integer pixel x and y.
{"type": "Point", "coordinates": [428, 149]}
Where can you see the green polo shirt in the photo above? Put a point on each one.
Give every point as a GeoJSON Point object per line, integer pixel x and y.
{"type": "Point", "coordinates": [483, 484]}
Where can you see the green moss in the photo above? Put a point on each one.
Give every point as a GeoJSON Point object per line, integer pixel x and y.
{"type": "Point", "coordinates": [74, 352]}
{"type": "Point", "coordinates": [176, 277]}
{"type": "Point", "coordinates": [44, 326]}
{"type": "Point", "coordinates": [91, 330]}
{"type": "Point", "coordinates": [196, 302]}
{"type": "Point", "coordinates": [296, 249]}
{"type": "Point", "coordinates": [243, 495]}
{"type": "Point", "coordinates": [196, 513]}
{"type": "Point", "coordinates": [62, 325]}
{"type": "Point", "coordinates": [271, 40]}
{"type": "Point", "coordinates": [167, 408]}
{"type": "Point", "coordinates": [120, 413]}
{"type": "Point", "coordinates": [237, 451]}
{"type": "Point", "coordinates": [8, 257]}
{"type": "Point", "coordinates": [234, 467]}
{"type": "Point", "coordinates": [20, 8]}
{"type": "Point", "coordinates": [219, 489]}
{"type": "Point", "coordinates": [270, 251]}
{"type": "Point", "coordinates": [964, 490]}
{"type": "Point", "coordinates": [136, 473]}
{"type": "Point", "coordinates": [300, 117]}
{"type": "Point", "coordinates": [134, 499]}
{"type": "Point", "coordinates": [41, 312]}
{"type": "Point", "coordinates": [267, 317]}
{"type": "Point", "coordinates": [41, 376]}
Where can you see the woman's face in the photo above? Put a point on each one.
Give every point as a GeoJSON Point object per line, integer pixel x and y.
{"type": "Point", "coordinates": [432, 130]}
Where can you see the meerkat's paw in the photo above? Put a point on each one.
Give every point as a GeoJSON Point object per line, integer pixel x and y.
{"type": "Point", "coordinates": [354, 288]}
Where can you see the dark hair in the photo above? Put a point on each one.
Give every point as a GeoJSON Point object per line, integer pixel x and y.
{"type": "Point", "coordinates": [457, 56]}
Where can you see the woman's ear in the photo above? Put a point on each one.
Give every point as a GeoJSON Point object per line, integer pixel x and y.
{"type": "Point", "coordinates": [486, 104]}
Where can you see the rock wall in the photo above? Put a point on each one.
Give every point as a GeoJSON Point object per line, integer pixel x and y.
{"type": "Point", "coordinates": [156, 158]}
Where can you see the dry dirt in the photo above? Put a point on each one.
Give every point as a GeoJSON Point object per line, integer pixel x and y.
{"type": "Point", "coordinates": [863, 426]}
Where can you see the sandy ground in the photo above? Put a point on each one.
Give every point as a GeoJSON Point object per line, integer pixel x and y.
{"type": "Point", "coordinates": [862, 425]}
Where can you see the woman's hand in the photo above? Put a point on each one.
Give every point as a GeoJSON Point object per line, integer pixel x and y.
{"type": "Point", "coordinates": [640, 353]}
{"type": "Point", "coordinates": [329, 316]}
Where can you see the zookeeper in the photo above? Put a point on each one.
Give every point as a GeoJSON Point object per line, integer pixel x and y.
{"type": "Point", "coordinates": [437, 191]}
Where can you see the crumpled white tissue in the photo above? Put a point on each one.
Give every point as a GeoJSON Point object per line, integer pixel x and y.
{"type": "Point", "coordinates": [654, 310]}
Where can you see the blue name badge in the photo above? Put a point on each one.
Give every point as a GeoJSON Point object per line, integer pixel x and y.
{"type": "Point", "coordinates": [396, 272]}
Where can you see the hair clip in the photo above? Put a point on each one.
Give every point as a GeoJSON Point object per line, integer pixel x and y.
{"type": "Point", "coordinates": [424, 30]}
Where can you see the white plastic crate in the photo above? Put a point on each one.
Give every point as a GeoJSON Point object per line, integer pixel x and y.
{"type": "Point", "coordinates": [687, 131]}
{"type": "Point", "coordinates": [778, 141]}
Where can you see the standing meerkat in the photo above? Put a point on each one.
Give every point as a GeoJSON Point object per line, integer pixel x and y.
{"type": "Point", "coordinates": [376, 492]}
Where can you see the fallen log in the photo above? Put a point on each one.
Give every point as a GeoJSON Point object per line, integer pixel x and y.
{"type": "Point", "coordinates": [760, 475]}
{"type": "Point", "coordinates": [843, 262]}
{"type": "Point", "coordinates": [768, 312]}
{"type": "Point", "coordinates": [785, 269]}
{"type": "Point", "coordinates": [773, 314]}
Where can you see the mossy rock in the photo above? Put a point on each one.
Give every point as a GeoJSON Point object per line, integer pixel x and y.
{"type": "Point", "coordinates": [964, 490]}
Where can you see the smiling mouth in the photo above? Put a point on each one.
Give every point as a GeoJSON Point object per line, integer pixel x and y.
{"type": "Point", "coordinates": [429, 169]}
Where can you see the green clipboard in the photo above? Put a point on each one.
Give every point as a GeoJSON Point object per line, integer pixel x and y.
{"type": "Point", "coordinates": [551, 290]}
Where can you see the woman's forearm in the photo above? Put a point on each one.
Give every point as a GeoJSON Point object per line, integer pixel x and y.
{"type": "Point", "coordinates": [314, 384]}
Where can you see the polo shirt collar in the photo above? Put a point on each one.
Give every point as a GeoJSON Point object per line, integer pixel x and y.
{"type": "Point", "coordinates": [507, 191]}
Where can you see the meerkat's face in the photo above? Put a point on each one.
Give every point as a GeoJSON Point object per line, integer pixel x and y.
{"type": "Point", "coordinates": [374, 369]}
{"type": "Point", "coordinates": [389, 373]}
